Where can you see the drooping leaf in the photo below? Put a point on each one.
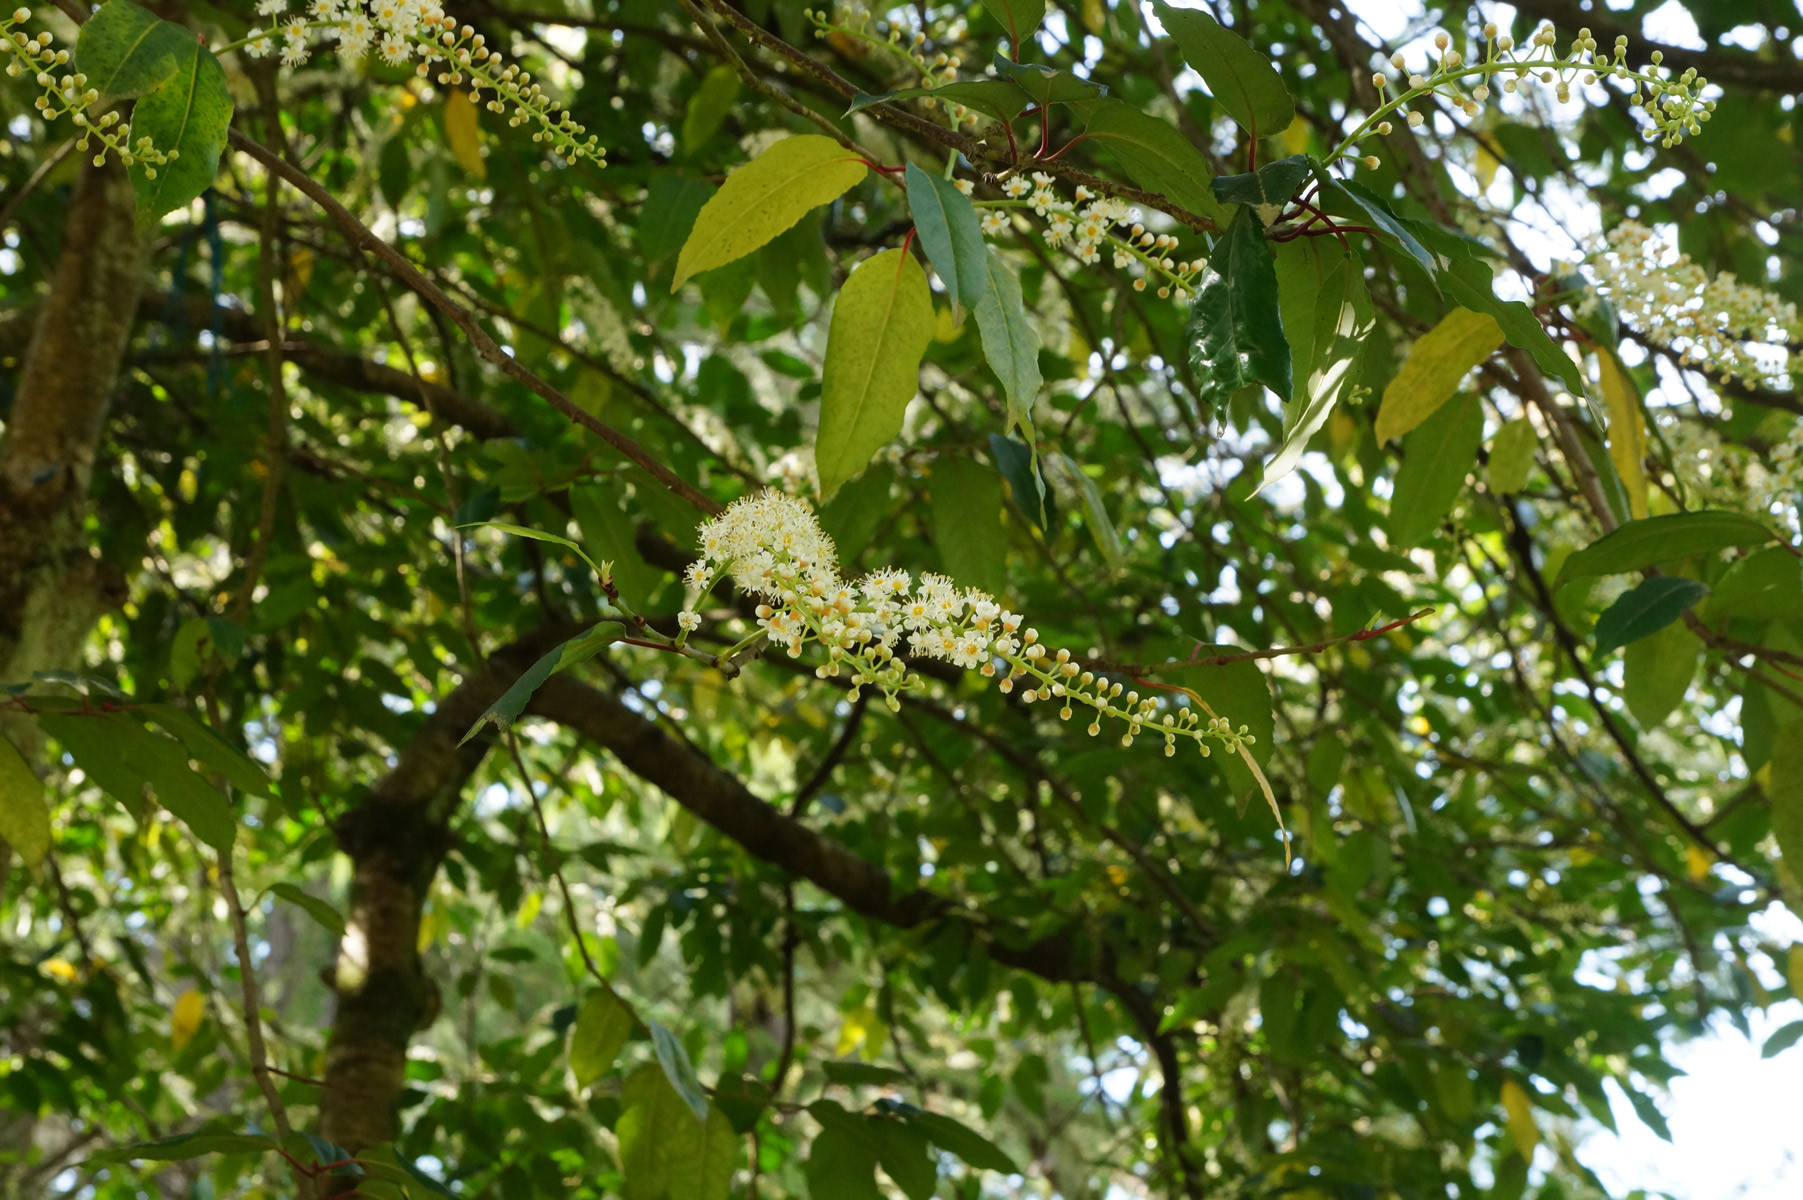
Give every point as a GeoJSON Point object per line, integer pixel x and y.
{"type": "Point", "coordinates": [126, 50]}
{"type": "Point", "coordinates": [211, 750]}
{"type": "Point", "coordinates": [603, 1024]}
{"type": "Point", "coordinates": [956, 1138]}
{"type": "Point", "coordinates": [1046, 86]}
{"type": "Point", "coordinates": [1239, 693]}
{"type": "Point", "coordinates": [765, 197]}
{"type": "Point", "coordinates": [1645, 609]}
{"type": "Point", "coordinates": [1242, 79]}
{"type": "Point", "coordinates": [967, 526]}
{"type": "Point", "coordinates": [709, 105]}
{"type": "Point", "coordinates": [1512, 456]}
{"type": "Point", "coordinates": [539, 535]}
{"type": "Point", "coordinates": [1326, 317]}
{"type": "Point", "coordinates": [123, 757]}
{"type": "Point", "coordinates": [997, 99]}
{"type": "Point", "coordinates": [1655, 540]}
{"type": "Point", "coordinates": [1783, 1040]}
{"type": "Point", "coordinates": [1236, 330]}
{"type": "Point", "coordinates": [657, 1132]}
{"type": "Point", "coordinates": [681, 1072]}
{"type": "Point", "coordinates": [1436, 458]}
{"type": "Point", "coordinates": [950, 234]}
{"type": "Point", "coordinates": [1437, 363]}
{"type": "Point", "coordinates": [1627, 429]}
{"type": "Point", "coordinates": [186, 116]}
{"type": "Point", "coordinates": [1031, 495]}
{"type": "Point", "coordinates": [841, 1166]}
{"type": "Point", "coordinates": [1154, 155]}
{"type": "Point", "coordinates": [1010, 339]}
{"type": "Point", "coordinates": [1520, 1109]}
{"type": "Point", "coordinates": [463, 133]}
{"type": "Point", "coordinates": [608, 536]}
{"type": "Point", "coordinates": [668, 213]}
{"type": "Point", "coordinates": [1085, 495]}
{"type": "Point", "coordinates": [1344, 195]}
{"type": "Point", "coordinates": [1648, 1111]}
{"type": "Point", "coordinates": [1785, 791]}
{"type": "Point", "coordinates": [1019, 19]}
{"type": "Point", "coordinates": [901, 1150]}
{"type": "Point", "coordinates": [507, 709]}
{"type": "Point", "coordinates": [327, 917]}
{"type": "Point", "coordinates": [1469, 281]}
{"type": "Point", "coordinates": [1267, 190]}
{"type": "Point", "coordinates": [882, 323]}
{"type": "Point", "coordinates": [1656, 672]}
{"type": "Point", "coordinates": [24, 815]}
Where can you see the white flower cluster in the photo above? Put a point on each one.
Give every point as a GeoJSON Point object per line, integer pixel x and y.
{"type": "Point", "coordinates": [772, 547]}
{"type": "Point", "coordinates": [69, 93]}
{"type": "Point", "coordinates": [402, 30]}
{"type": "Point", "coordinates": [1708, 322]}
{"type": "Point", "coordinates": [1090, 224]}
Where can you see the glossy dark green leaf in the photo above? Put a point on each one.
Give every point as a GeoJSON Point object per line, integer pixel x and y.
{"type": "Point", "coordinates": [1010, 337]}
{"type": "Point", "coordinates": [1019, 19]}
{"type": "Point", "coordinates": [186, 117]}
{"type": "Point", "coordinates": [1268, 189]}
{"type": "Point", "coordinates": [1154, 155]}
{"type": "Point", "coordinates": [841, 1166]}
{"type": "Point", "coordinates": [323, 914]}
{"type": "Point", "coordinates": [1235, 330]}
{"type": "Point", "coordinates": [901, 1150]}
{"type": "Point", "coordinates": [1656, 540]}
{"type": "Point", "coordinates": [507, 709]}
{"type": "Point", "coordinates": [997, 99]}
{"type": "Point", "coordinates": [1243, 80]}
{"type": "Point", "coordinates": [1027, 487]}
{"type": "Point", "coordinates": [1645, 609]}
{"type": "Point", "coordinates": [1369, 209]}
{"type": "Point", "coordinates": [950, 234]}
{"type": "Point", "coordinates": [1327, 316]}
{"type": "Point", "coordinates": [126, 50]}
{"type": "Point", "coordinates": [957, 1138]}
{"type": "Point", "coordinates": [211, 750]}
{"type": "Point", "coordinates": [1045, 85]}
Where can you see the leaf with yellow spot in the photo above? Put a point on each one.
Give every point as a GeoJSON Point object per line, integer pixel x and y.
{"type": "Point", "coordinates": [184, 1022]}
{"type": "Point", "coordinates": [862, 1030]}
{"type": "Point", "coordinates": [1522, 1130]}
{"type": "Point", "coordinates": [1627, 430]}
{"type": "Point", "coordinates": [463, 134]}
{"type": "Point", "coordinates": [61, 968]}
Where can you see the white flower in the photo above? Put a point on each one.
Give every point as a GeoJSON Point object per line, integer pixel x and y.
{"type": "Point", "coordinates": [271, 8]}
{"type": "Point", "coordinates": [994, 222]}
{"type": "Point", "coordinates": [690, 621]}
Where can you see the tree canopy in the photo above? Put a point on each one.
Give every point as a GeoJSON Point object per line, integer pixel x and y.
{"type": "Point", "coordinates": [1009, 598]}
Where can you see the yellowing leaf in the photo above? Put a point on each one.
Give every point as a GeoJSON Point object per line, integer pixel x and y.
{"type": "Point", "coordinates": [764, 198]}
{"type": "Point", "coordinates": [881, 325]}
{"type": "Point", "coordinates": [1437, 362]}
{"type": "Point", "coordinates": [1295, 138]}
{"type": "Point", "coordinates": [1485, 165]}
{"type": "Point", "coordinates": [1793, 972]}
{"type": "Point", "coordinates": [1697, 862]}
{"type": "Point", "coordinates": [1784, 787]}
{"type": "Point", "coordinates": [861, 1030]}
{"type": "Point", "coordinates": [1512, 456]}
{"type": "Point", "coordinates": [24, 817]}
{"type": "Point", "coordinates": [1522, 1130]}
{"type": "Point", "coordinates": [61, 968]}
{"type": "Point", "coordinates": [1117, 875]}
{"type": "Point", "coordinates": [184, 1022]}
{"type": "Point", "coordinates": [1627, 430]}
{"type": "Point", "coordinates": [463, 133]}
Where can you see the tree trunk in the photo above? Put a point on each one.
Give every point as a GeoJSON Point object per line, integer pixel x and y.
{"type": "Point", "coordinates": [52, 587]}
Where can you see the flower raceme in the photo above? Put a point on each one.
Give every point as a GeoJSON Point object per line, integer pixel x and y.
{"type": "Point", "coordinates": [771, 546]}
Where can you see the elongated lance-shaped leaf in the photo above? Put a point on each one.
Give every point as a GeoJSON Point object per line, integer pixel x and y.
{"type": "Point", "coordinates": [765, 197]}
{"type": "Point", "coordinates": [1627, 429]}
{"type": "Point", "coordinates": [950, 233]}
{"type": "Point", "coordinates": [1436, 459]}
{"type": "Point", "coordinates": [1154, 154]}
{"type": "Point", "coordinates": [186, 118]}
{"type": "Point", "coordinates": [881, 325]}
{"type": "Point", "coordinates": [1437, 363]}
{"type": "Point", "coordinates": [1326, 317]}
{"type": "Point", "coordinates": [24, 815]}
{"type": "Point", "coordinates": [1236, 331]}
{"type": "Point", "coordinates": [1241, 78]}
{"type": "Point", "coordinates": [1656, 540]}
{"type": "Point", "coordinates": [579, 649]}
{"type": "Point", "coordinates": [997, 99]}
{"type": "Point", "coordinates": [125, 49]}
{"type": "Point", "coordinates": [1010, 340]}
{"type": "Point", "coordinates": [1645, 609]}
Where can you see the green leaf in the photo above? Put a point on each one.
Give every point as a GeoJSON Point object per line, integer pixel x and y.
{"type": "Point", "coordinates": [708, 106]}
{"type": "Point", "coordinates": [967, 524]}
{"type": "Point", "coordinates": [882, 323]}
{"type": "Point", "coordinates": [506, 710]}
{"type": "Point", "coordinates": [1436, 459]}
{"type": "Point", "coordinates": [1785, 791]}
{"type": "Point", "coordinates": [1648, 1111]}
{"type": "Point", "coordinates": [1019, 18]}
{"type": "Point", "coordinates": [1047, 86]}
{"type": "Point", "coordinates": [538, 535]}
{"type": "Point", "coordinates": [1240, 693]}
{"type": "Point", "coordinates": [1010, 340]}
{"type": "Point", "coordinates": [901, 1150]}
{"type": "Point", "coordinates": [668, 213]}
{"type": "Point", "coordinates": [1437, 363]}
{"type": "Point", "coordinates": [675, 1062]}
{"type": "Point", "coordinates": [1235, 330]}
{"type": "Point", "coordinates": [184, 1146]}
{"type": "Point", "coordinates": [602, 1026]}
{"type": "Point", "coordinates": [855, 1073]}
{"type": "Point", "coordinates": [122, 756]}
{"type": "Point", "coordinates": [1326, 317]}
{"type": "Point", "coordinates": [609, 537]}
{"type": "Point", "coordinates": [211, 750]}
{"type": "Point", "coordinates": [1154, 155]}
{"type": "Point", "coordinates": [708, 1175]}
{"type": "Point", "coordinates": [1656, 672]}
{"type": "Point", "coordinates": [186, 116]}
{"type": "Point", "coordinates": [841, 1166]}
{"type": "Point", "coordinates": [1015, 461]}
{"type": "Point", "coordinates": [966, 1143]}
{"type": "Point", "coordinates": [323, 913]}
{"type": "Point", "coordinates": [950, 234]}
{"type": "Point", "coordinates": [1268, 189]}
{"type": "Point", "coordinates": [126, 50]}
{"type": "Point", "coordinates": [1242, 79]}
{"type": "Point", "coordinates": [24, 814]}
{"type": "Point", "coordinates": [765, 197]}
{"type": "Point", "coordinates": [1646, 609]}
{"type": "Point", "coordinates": [1367, 206]}
{"type": "Point", "coordinates": [1077, 485]}
{"type": "Point", "coordinates": [1783, 1040]}
{"type": "Point", "coordinates": [1654, 540]}
{"type": "Point", "coordinates": [997, 99]}
{"type": "Point", "coordinates": [1512, 456]}
{"type": "Point", "coordinates": [1764, 586]}
{"type": "Point", "coordinates": [658, 1135]}
{"type": "Point", "coordinates": [1627, 428]}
